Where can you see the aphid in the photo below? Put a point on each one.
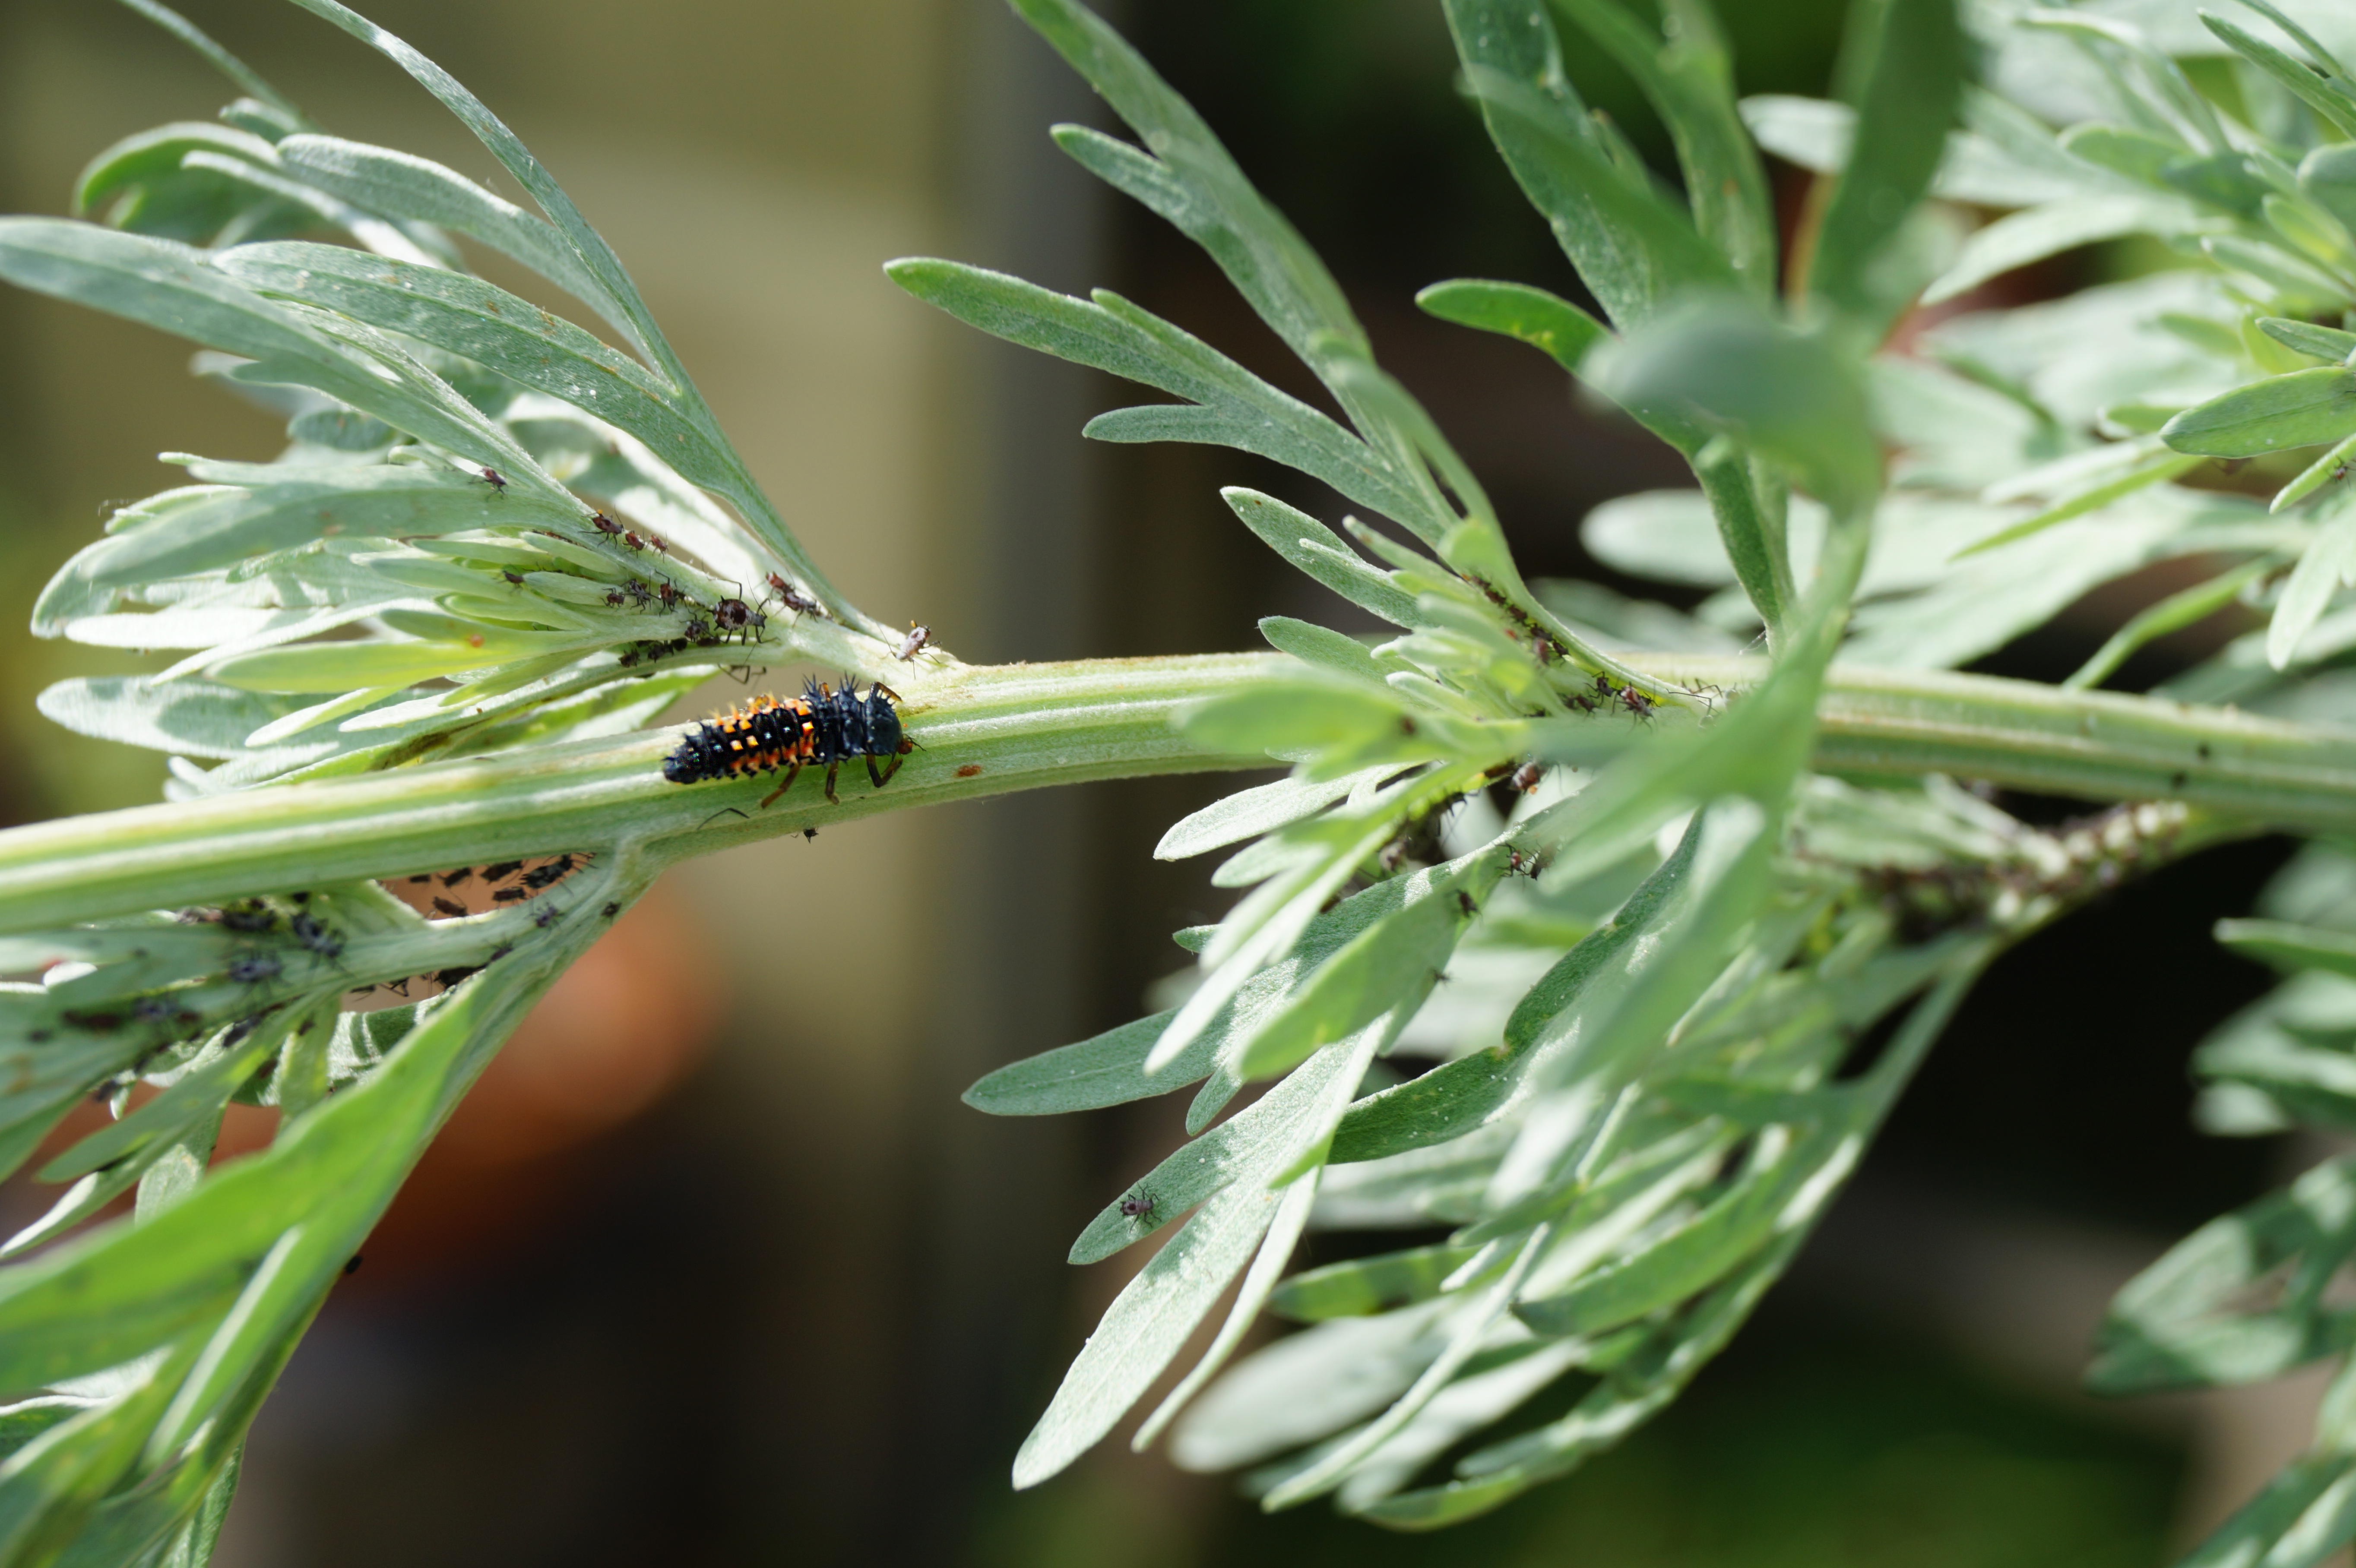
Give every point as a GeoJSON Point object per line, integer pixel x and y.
{"type": "Point", "coordinates": [495, 480]}
{"type": "Point", "coordinates": [254, 968]}
{"type": "Point", "coordinates": [699, 630]}
{"type": "Point", "coordinates": [615, 597]}
{"type": "Point", "coordinates": [1464, 902]}
{"type": "Point", "coordinates": [508, 895]}
{"type": "Point", "coordinates": [612, 909]}
{"type": "Point", "coordinates": [249, 920]}
{"type": "Point", "coordinates": [801, 603]}
{"type": "Point", "coordinates": [638, 593]}
{"type": "Point", "coordinates": [460, 875]}
{"type": "Point", "coordinates": [633, 542]}
{"type": "Point", "coordinates": [555, 871]}
{"type": "Point", "coordinates": [548, 916]}
{"type": "Point", "coordinates": [317, 936]}
{"type": "Point", "coordinates": [914, 643]}
{"type": "Point", "coordinates": [732, 614]}
{"type": "Point", "coordinates": [1636, 702]}
{"type": "Point", "coordinates": [502, 871]}
{"type": "Point", "coordinates": [969, 770]}
{"type": "Point", "coordinates": [604, 524]}
{"type": "Point", "coordinates": [514, 577]}
{"type": "Point", "coordinates": [445, 906]}
{"type": "Point", "coordinates": [352, 1265]}
{"type": "Point", "coordinates": [445, 979]}
{"type": "Point", "coordinates": [668, 594]}
{"type": "Point", "coordinates": [656, 541]}
{"type": "Point", "coordinates": [769, 733]}
{"type": "Point", "coordinates": [630, 658]}
{"type": "Point", "coordinates": [423, 877]}
{"type": "Point", "coordinates": [1520, 865]}
{"type": "Point", "coordinates": [1604, 688]}
{"type": "Point", "coordinates": [97, 1023]}
{"type": "Point", "coordinates": [1525, 777]}
{"type": "Point", "coordinates": [1138, 1208]}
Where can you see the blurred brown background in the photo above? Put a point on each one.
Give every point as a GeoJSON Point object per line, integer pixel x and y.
{"type": "Point", "coordinates": [715, 1268]}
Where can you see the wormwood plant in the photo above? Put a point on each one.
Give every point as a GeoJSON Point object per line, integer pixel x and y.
{"type": "Point", "coordinates": [1677, 903]}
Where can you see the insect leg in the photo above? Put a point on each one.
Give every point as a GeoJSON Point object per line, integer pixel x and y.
{"type": "Point", "coordinates": [791, 774]}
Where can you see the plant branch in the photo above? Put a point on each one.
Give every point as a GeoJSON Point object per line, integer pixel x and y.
{"type": "Point", "coordinates": [1028, 726]}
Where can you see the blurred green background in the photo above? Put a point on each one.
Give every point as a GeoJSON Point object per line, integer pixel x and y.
{"type": "Point", "coordinates": [716, 1269]}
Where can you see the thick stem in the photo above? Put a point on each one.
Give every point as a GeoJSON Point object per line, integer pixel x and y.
{"type": "Point", "coordinates": [1025, 726]}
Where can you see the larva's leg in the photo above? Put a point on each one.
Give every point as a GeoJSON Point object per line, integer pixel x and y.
{"type": "Point", "coordinates": [791, 774]}
{"type": "Point", "coordinates": [832, 769]}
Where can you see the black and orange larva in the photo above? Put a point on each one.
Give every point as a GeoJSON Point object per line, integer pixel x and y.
{"type": "Point", "coordinates": [792, 733]}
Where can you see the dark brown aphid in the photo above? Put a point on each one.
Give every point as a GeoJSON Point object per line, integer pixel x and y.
{"type": "Point", "coordinates": [514, 577]}
{"type": "Point", "coordinates": [249, 920]}
{"type": "Point", "coordinates": [604, 524]}
{"type": "Point", "coordinates": [508, 895]}
{"type": "Point", "coordinates": [495, 480]}
{"type": "Point", "coordinates": [914, 643]}
{"type": "Point", "coordinates": [1525, 777]}
{"type": "Point", "coordinates": [699, 630]}
{"type": "Point", "coordinates": [668, 593]}
{"type": "Point", "coordinates": [460, 875]}
{"type": "Point", "coordinates": [315, 936]}
{"type": "Point", "coordinates": [1138, 1208]}
{"type": "Point", "coordinates": [1464, 902]}
{"type": "Point", "coordinates": [445, 979]}
{"type": "Point", "coordinates": [633, 542]}
{"type": "Point", "coordinates": [425, 876]}
{"type": "Point", "coordinates": [254, 968]}
{"type": "Point", "coordinates": [615, 597]}
{"type": "Point", "coordinates": [352, 1266]}
{"type": "Point", "coordinates": [502, 871]}
{"type": "Point", "coordinates": [630, 658]}
{"type": "Point", "coordinates": [732, 614]}
{"type": "Point", "coordinates": [548, 916]}
{"type": "Point", "coordinates": [801, 603]}
{"type": "Point", "coordinates": [969, 770]}
{"type": "Point", "coordinates": [445, 906]}
{"type": "Point", "coordinates": [638, 593]}
{"type": "Point", "coordinates": [1636, 702]}
{"type": "Point", "coordinates": [612, 909]}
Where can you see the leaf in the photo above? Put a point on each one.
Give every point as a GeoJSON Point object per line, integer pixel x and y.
{"type": "Point", "coordinates": [1249, 813]}
{"type": "Point", "coordinates": [1308, 1384]}
{"type": "Point", "coordinates": [2034, 233]}
{"type": "Point", "coordinates": [1258, 1147]}
{"type": "Point", "coordinates": [2305, 338]}
{"type": "Point", "coordinates": [1632, 248]}
{"type": "Point", "coordinates": [486, 323]}
{"type": "Point", "coordinates": [2286, 945]}
{"type": "Point", "coordinates": [1145, 1328]}
{"type": "Point", "coordinates": [1791, 396]}
{"type": "Point", "coordinates": [1107, 1069]}
{"type": "Point", "coordinates": [1362, 1286]}
{"type": "Point", "coordinates": [1319, 551]}
{"type": "Point", "coordinates": [1690, 81]}
{"type": "Point", "coordinates": [402, 185]}
{"type": "Point", "coordinates": [2336, 110]}
{"type": "Point", "coordinates": [1322, 647]}
{"type": "Point", "coordinates": [2200, 1315]}
{"type": "Point", "coordinates": [1545, 321]}
{"type": "Point", "coordinates": [191, 718]}
{"type": "Point", "coordinates": [2327, 562]}
{"type": "Point", "coordinates": [2305, 407]}
{"type": "Point", "coordinates": [2302, 1516]}
{"type": "Point", "coordinates": [1904, 59]}
{"type": "Point", "coordinates": [1107, 333]}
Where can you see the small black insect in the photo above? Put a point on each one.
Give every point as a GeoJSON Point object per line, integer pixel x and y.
{"type": "Point", "coordinates": [914, 643]}
{"type": "Point", "coordinates": [502, 871]}
{"type": "Point", "coordinates": [1138, 1208]}
{"type": "Point", "coordinates": [495, 480]}
{"type": "Point", "coordinates": [514, 577]}
{"type": "Point", "coordinates": [353, 1265]}
{"type": "Point", "coordinates": [612, 909]}
{"type": "Point", "coordinates": [423, 877]}
{"type": "Point", "coordinates": [250, 919]}
{"type": "Point", "coordinates": [604, 524]}
{"type": "Point", "coordinates": [445, 979]}
{"type": "Point", "coordinates": [508, 895]}
{"type": "Point", "coordinates": [445, 906]}
{"type": "Point", "coordinates": [460, 875]}
{"type": "Point", "coordinates": [667, 593]}
{"type": "Point", "coordinates": [638, 593]}
{"type": "Point", "coordinates": [254, 968]}
{"type": "Point", "coordinates": [699, 630]}
{"type": "Point", "coordinates": [317, 936]}
{"type": "Point", "coordinates": [615, 597]}
{"type": "Point", "coordinates": [548, 914]}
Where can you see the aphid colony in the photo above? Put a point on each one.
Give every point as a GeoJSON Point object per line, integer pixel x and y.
{"type": "Point", "coordinates": [767, 733]}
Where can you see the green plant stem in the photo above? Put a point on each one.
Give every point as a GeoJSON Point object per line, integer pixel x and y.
{"type": "Point", "coordinates": [1026, 726]}
{"type": "Point", "coordinates": [1014, 727]}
